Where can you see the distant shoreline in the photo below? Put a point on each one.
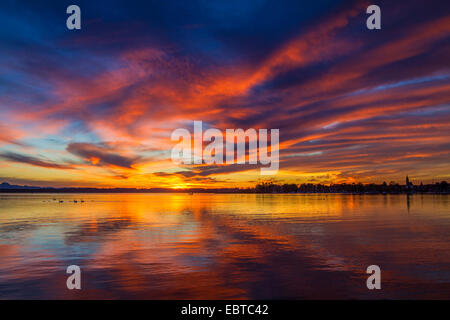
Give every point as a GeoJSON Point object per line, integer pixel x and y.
{"type": "Point", "coordinates": [105, 191]}
{"type": "Point", "coordinates": [261, 188]}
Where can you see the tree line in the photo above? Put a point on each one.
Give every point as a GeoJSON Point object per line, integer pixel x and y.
{"type": "Point", "coordinates": [371, 188]}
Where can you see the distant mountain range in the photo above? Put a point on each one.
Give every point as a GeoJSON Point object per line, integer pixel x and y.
{"type": "Point", "coordinates": [6, 185]}
{"type": "Point", "coordinates": [9, 188]}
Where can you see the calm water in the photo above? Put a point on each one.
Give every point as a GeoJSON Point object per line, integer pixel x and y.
{"type": "Point", "coordinates": [208, 246]}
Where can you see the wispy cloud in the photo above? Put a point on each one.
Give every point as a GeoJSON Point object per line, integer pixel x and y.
{"type": "Point", "coordinates": [31, 160]}
{"type": "Point", "coordinates": [100, 155]}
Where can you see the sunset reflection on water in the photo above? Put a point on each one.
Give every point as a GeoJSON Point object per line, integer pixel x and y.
{"type": "Point", "coordinates": [224, 246]}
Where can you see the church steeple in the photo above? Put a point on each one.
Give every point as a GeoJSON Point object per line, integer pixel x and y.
{"type": "Point", "coordinates": [409, 186]}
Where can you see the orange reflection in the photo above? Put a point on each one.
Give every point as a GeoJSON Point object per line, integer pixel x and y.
{"type": "Point", "coordinates": [206, 246]}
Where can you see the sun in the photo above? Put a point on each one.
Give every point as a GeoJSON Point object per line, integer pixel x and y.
{"type": "Point", "coordinates": [180, 186]}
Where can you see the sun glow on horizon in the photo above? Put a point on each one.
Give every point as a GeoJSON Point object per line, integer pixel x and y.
{"type": "Point", "coordinates": [350, 105]}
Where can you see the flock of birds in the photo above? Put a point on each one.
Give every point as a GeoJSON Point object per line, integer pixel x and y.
{"type": "Point", "coordinates": [61, 201]}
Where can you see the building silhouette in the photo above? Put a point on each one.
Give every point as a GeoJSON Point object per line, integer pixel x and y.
{"type": "Point", "coordinates": [409, 187]}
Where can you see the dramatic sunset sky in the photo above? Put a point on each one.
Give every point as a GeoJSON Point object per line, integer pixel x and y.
{"type": "Point", "coordinates": [96, 107]}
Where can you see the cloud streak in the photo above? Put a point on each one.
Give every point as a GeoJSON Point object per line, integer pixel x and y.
{"type": "Point", "coordinates": [34, 161]}
{"type": "Point", "coordinates": [100, 155]}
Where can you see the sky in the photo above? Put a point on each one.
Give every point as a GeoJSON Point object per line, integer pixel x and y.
{"type": "Point", "coordinates": [96, 107]}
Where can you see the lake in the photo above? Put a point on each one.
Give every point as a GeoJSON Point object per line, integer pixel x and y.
{"type": "Point", "coordinates": [224, 246]}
